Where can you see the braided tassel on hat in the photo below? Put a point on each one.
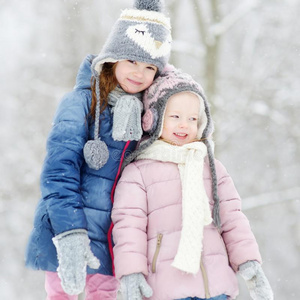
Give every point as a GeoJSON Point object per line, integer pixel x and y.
{"type": "Point", "coordinates": [95, 151]}
{"type": "Point", "coordinates": [143, 34]}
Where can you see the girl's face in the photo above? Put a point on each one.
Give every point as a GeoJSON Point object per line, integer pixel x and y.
{"type": "Point", "coordinates": [181, 119]}
{"type": "Point", "coordinates": [134, 76]}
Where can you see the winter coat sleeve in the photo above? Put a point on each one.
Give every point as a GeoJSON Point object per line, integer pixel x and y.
{"type": "Point", "coordinates": [129, 216]}
{"type": "Point", "coordinates": [60, 178]}
{"type": "Point", "coordinates": [238, 237]}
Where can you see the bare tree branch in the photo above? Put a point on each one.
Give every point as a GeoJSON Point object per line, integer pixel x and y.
{"type": "Point", "coordinates": [229, 20]}
{"type": "Point", "coordinates": [201, 23]}
{"type": "Point", "coordinates": [266, 199]}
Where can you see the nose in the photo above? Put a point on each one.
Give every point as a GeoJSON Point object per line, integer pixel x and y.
{"type": "Point", "coordinates": [139, 72]}
{"type": "Point", "coordinates": [182, 123]}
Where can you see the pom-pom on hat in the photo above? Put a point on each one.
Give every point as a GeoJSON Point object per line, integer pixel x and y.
{"type": "Point", "coordinates": [170, 82]}
{"type": "Point", "coordinates": [141, 34]}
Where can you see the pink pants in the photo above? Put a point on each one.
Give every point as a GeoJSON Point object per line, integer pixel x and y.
{"type": "Point", "coordinates": [97, 286]}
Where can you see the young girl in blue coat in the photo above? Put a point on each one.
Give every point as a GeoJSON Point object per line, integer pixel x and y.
{"type": "Point", "coordinates": [95, 127]}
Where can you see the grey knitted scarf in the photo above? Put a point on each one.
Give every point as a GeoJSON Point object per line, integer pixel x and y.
{"type": "Point", "coordinates": [127, 110]}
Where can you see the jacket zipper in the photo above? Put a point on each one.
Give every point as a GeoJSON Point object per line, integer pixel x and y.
{"type": "Point", "coordinates": [109, 234]}
{"type": "Point", "coordinates": [158, 244]}
{"type": "Point", "coordinates": [205, 280]}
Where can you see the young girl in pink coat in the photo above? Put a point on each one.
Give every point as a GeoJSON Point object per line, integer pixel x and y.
{"type": "Point", "coordinates": [179, 232]}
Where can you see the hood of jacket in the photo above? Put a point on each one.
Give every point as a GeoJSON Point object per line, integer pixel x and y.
{"type": "Point", "coordinates": [84, 75]}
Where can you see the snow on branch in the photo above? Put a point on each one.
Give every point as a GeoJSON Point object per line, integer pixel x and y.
{"type": "Point", "coordinates": [228, 21]}
{"type": "Point", "coordinates": [266, 199]}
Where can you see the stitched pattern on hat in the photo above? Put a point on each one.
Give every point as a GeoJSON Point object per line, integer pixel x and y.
{"type": "Point", "coordinates": [142, 19]}
{"type": "Point", "coordinates": [140, 34]}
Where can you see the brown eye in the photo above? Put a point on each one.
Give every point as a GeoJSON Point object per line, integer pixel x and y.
{"type": "Point", "coordinates": [151, 68]}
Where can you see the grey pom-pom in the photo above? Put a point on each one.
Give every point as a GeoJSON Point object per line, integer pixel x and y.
{"type": "Point", "coordinates": [153, 5]}
{"type": "Point", "coordinates": [95, 154]}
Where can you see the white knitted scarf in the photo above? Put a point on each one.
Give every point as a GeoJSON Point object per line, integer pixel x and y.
{"type": "Point", "coordinates": [195, 204]}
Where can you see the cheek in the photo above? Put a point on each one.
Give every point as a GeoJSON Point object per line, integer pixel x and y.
{"type": "Point", "coordinates": [117, 75]}
{"type": "Point", "coordinates": [195, 130]}
{"type": "Point", "coordinates": [120, 73]}
{"type": "Point", "coordinates": [163, 132]}
{"type": "Point", "coordinates": [167, 128]}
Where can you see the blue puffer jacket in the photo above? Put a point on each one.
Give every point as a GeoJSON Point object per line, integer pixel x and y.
{"type": "Point", "coordinates": [73, 195]}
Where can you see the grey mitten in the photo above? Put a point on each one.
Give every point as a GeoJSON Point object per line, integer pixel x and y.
{"type": "Point", "coordinates": [74, 254]}
{"type": "Point", "coordinates": [256, 281]}
{"type": "Point", "coordinates": [135, 287]}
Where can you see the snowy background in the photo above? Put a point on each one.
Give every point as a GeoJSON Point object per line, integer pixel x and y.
{"type": "Point", "coordinates": [246, 54]}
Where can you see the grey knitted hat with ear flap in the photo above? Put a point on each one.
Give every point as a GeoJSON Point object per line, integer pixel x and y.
{"type": "Point", "coordinates": [170, 82]}
{"type": "Point", "coordinates": [140, 34]}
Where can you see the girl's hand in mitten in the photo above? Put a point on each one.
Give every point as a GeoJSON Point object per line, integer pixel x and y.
{"type": "Point", "coordinates": [135, 287]}
{"type": "Point", "coordinates": [257, 283]}
{"type": "Point", "coordinates": [74, 254]}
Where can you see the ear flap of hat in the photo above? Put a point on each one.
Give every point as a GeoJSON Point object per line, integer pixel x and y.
{"type": "Point", "coordinates": [202, 121]}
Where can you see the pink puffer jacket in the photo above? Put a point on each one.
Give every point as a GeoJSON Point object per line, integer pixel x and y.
{"type": "Point", "coordinates": [147, 226]}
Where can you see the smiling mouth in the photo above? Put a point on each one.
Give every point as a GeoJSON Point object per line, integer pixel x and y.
{"type": "Point", "coordinates": [134, 82]}
{"type": "Point", "coordinates": [180, 135]}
